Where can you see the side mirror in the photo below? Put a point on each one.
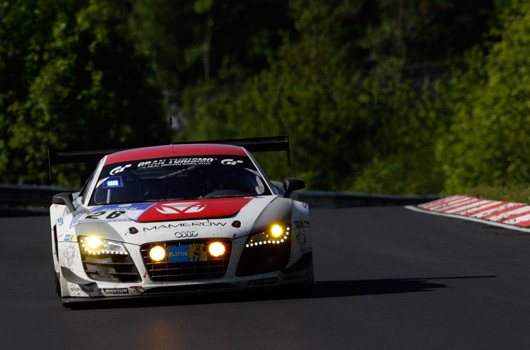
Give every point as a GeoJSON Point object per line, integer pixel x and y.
{"type": "Point", "coordinates": [292, 184]}
{"type": "Point", "coordinates": [64, 198]}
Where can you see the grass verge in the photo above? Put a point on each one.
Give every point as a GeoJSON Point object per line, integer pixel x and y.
{"type": "Point", "coordinates": [512, 193]}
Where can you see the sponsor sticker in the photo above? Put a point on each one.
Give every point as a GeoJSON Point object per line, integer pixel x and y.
{"type": "Point", "coordinates": [115, 291]}
{"type": "Point", "coordinates": [301, 223]}
{"type": "Point", "coordinates": [263, 281]}
{"type": "Point", "coordinates": [231, 162]}
{"type": "Point", "coordinates": [137, 289]}
{"type": "Point", "coordinates": [175, 161]}
{"type": "Point", "coordinates": [119, 169]}
{"type": "Point", "coordinates": [81, 290]}
{"type": "Point", "coordinates": [184, 224]}
{"type": "Point", "coordinates": [294, 277]}
{"type": "Point", "coordinates": [187, 253]}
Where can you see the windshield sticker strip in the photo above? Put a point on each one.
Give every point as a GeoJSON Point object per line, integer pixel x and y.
{"type": "Point", "coordinates": [174, 162]}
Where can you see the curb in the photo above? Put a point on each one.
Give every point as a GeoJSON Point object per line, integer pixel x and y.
{"type": "Point", "coordinates": [499, 213]}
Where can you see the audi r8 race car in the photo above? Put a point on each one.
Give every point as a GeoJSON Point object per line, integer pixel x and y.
{"type": "Point", "coordinates": [179, 218]}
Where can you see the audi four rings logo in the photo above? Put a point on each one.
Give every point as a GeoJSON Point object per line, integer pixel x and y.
{"type": "Point", "coordinates": [186, 234]}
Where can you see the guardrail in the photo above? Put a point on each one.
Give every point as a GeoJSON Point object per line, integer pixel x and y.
{"type": "Point", "coordinates": [326, 199]}
{"type": "Point", "coordinates": [25, 200]}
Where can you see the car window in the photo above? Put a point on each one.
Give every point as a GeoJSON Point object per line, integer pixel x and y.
{"type": "Point", "coordinates": [178, 178]}
{"type": "Point", "coordinates": [90, 182]}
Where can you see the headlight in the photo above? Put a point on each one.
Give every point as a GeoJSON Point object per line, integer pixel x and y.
{"type": "Point", "coordinates": [277, 231]}
{"type": "Point", "coordinates": [275, 234]}
{"type": "Point", "coordinates": [95, 245]}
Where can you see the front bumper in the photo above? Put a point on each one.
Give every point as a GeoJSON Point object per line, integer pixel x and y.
{"type": "Point", "coordinates": [240, 273]}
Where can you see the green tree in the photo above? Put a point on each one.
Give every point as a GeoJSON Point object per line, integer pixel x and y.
{"type": "Point", "coordinates": [487, 141]}
{"type": "Point", "coordinates": [351, 129]}
{"type": "Point", "coordinates": [195, 41]}
{"type": "Point", "coordinates": [87, 88]}
{"type": "Point", "coordinates": [302, 94]}
{"type": "Point", "coordinates": [407, 35]}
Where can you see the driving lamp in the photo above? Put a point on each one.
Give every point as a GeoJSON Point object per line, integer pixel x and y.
{"type": "Point", "coordinates": [216, 249]}
{"type": "Point", "coordinates": [157, 253]}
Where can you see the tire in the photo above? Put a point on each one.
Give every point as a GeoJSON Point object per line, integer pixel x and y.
{"type": "Point", "coordinates": [57, 285]}
{"type": "Point", "coordinates": [60, 285]}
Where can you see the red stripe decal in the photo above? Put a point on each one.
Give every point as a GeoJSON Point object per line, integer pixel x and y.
{"type": "Point", "coordinates": [197, 209]}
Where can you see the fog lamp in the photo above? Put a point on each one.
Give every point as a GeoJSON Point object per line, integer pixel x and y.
{"type": "Point", "coordinates": [157, 253]}
{"type": "Point", "coordinates": [216, 249]}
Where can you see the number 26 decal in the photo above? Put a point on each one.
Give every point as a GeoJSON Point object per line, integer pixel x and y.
{"type": "Point", "coordinates": [98, 215]}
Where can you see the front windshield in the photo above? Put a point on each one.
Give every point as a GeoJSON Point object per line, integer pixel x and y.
{"type": "Point", "coordinates": [178, 178]}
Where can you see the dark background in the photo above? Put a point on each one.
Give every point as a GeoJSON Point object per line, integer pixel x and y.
{"type": "Point", "coordinates": [377, 96]}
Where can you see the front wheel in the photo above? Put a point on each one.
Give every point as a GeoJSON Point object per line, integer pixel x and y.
{"type": "Point", "coordinates": [60, 285]}
{"type": "Point", "coordinates": [57, 285]}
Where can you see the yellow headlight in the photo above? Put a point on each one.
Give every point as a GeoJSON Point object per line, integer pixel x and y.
{"type": "Point", "coordinates": [93, 243]}
{"type": "Point", "coordinates": [276, 231]}
{"type": "Point", "coordinates": [216, 249]}
{"type": "Point", "coordinates": [157, 253]}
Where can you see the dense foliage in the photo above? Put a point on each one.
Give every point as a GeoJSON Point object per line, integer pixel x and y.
{"type": "Point", "coordinates": [490, 105]}
{"type": "Point", "coordinates": [347, 93]}
{"type": "Point", "coordinates": [70, 78]}
{"type": "Point", "coordinates": [195, 41]}
{"type": "Point", "coordinates": [406, 96]}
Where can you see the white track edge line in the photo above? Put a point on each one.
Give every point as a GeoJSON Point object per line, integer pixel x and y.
{"type": "Point", "coordinates": [456, 216]}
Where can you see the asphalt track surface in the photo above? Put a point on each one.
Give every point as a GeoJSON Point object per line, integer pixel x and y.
{"type": "Point", "coordinates": [387, 278]}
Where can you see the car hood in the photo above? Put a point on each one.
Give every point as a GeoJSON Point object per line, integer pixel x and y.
{"type": "Point", "coordinates": [192, 210]}
{"type": "Point", "coordinates": [150, 222]}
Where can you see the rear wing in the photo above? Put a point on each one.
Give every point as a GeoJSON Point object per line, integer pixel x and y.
{"type": "Point", "coordinates": [256, 144]}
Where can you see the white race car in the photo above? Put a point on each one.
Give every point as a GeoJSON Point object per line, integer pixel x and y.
{"type": "Point", "coordinates": [179, 218]}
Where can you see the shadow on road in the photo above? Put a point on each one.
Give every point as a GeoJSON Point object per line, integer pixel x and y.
{"type": "Point", "coordinates": [327, 289]}
{"type": "Point", "coordinates": [321, 289]}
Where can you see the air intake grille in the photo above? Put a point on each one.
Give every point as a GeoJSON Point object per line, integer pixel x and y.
{"type": "Point", "coordinates": [110, 268]}
{"type": "Point", "coordinates": [186, 260]}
